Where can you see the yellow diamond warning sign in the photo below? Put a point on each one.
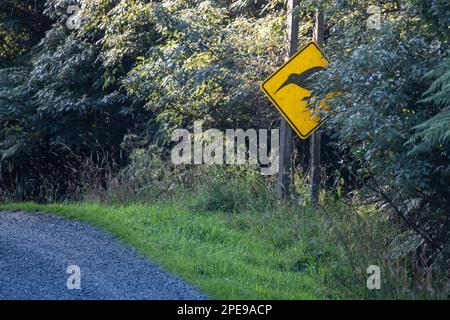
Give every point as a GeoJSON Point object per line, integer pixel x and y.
{"type": "Point", "coordinates": [289, 88]}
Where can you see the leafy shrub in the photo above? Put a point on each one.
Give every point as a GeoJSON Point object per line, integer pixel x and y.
{"type": "Point", "coordinates": [391, 117]}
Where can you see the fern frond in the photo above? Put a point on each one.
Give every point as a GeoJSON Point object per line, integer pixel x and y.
{"type": "Point", "coordinates": [435, 131]}
{"type": "Point", "coordinates": [439, 91]}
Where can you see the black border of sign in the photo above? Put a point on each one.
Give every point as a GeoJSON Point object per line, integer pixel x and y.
{"type": "Point", "coordinates": [304, 137]}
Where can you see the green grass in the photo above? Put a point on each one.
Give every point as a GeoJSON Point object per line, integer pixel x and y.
{"type": "Point", "coordinates": [201, 248]}
{"type": "Point", "coordinates": [276, 254]}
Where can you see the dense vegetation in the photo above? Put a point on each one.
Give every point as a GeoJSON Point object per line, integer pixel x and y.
{"type": "Point", "coordinates": [272, 253]}
{"type": "Point", "coordinates": [86, 110]}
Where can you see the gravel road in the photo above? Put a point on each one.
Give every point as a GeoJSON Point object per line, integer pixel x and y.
{"type": "Point", "coordinates": [36, 249]}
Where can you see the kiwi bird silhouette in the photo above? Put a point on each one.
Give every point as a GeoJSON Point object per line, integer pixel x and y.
{"type": "Point", "coordinates": [300, 79]}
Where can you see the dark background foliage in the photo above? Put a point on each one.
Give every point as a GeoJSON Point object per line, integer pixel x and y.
{"type": "Point", "coordinates": [136, 70]}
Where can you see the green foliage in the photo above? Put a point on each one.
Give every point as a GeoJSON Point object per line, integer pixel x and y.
{"type": "Point", "coordinates": [206, 65]}
{"type": "Point", "coordinates": [435, 132]}
{"type": "Point", "coordinates": [21, 27]}
{"type": "Point", "coordinates": [134, 67]}
{"type": "Point", "coordinates": [234, 190]}
{"type": "Point", "coordinates": [398, 139]}
{"type": "Point", "coordinates": [437, 11]}
{"type": "Point", "coordinates": [54, 111]}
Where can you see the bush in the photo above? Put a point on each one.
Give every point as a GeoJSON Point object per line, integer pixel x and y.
{"type": "Point", "coordinates": [234, 189]}
{"type": "Point", "coordinates": [391, 117]}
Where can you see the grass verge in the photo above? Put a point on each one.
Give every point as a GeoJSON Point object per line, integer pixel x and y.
{"type": "Point", "coordinates": [276, 254]}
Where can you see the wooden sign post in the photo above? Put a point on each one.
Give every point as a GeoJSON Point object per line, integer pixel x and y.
{"type": "Point", "coordinates": [319, 25]}
{"type": "Point", "coordinates": [285, 174]}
